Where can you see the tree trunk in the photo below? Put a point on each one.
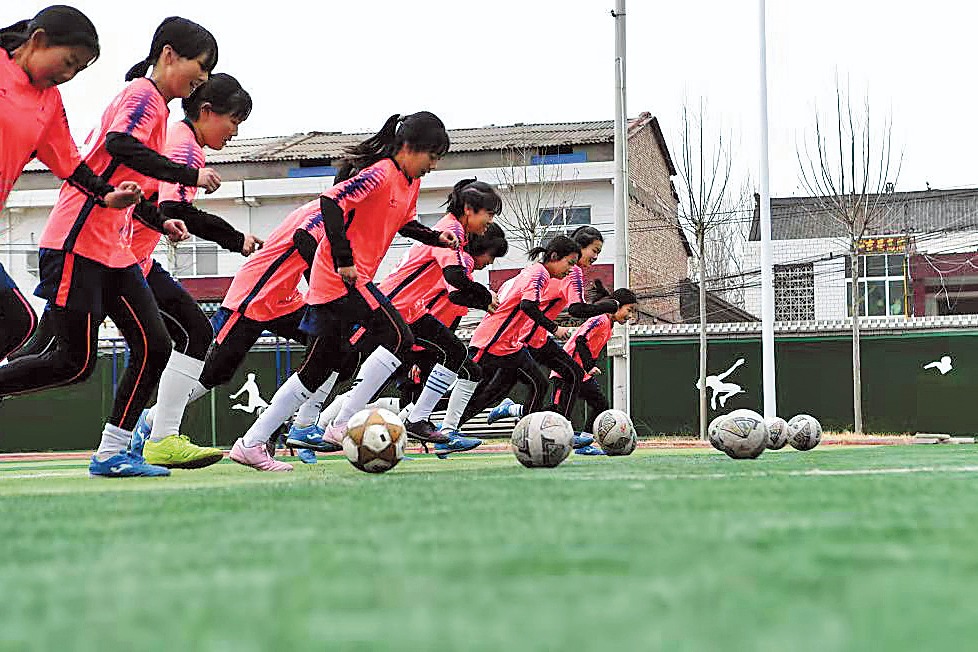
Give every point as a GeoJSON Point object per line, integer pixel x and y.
{"type": "Point", "coordinates": [704, 416]}
{"type": "Point", "coordinates": [857, 385]}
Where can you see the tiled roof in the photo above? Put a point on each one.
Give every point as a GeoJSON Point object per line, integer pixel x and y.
{"type": "Point", "coordinates": [924, 211]}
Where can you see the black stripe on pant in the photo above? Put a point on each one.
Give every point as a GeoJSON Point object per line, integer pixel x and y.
{"type": "Point", "coordinates": [499, 375]}
{"type": "Point", "coordinates": [553, 357]}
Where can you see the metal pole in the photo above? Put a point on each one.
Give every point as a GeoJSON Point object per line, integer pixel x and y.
{"type": "Point", "coordinates": [622, 385]}
{"type": "Point", "coordinates": [767, 262]}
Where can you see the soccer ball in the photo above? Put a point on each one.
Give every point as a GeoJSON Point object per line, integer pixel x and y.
{"type": "Point", "coordinates": [542, 439]}
{"type": "Point", "coordinates": [804, 432]}
{"type": "Point", "coordinates": [615, 433]}
{"type": "Point", "coordinates": [777, 429]}
{"type": "Point", "coordinates": [740, 434]}
{"type": "Point", "coordinates": [374, 440]}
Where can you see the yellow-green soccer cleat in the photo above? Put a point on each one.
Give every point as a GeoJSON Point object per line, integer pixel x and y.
{"type": "Point", "coordinates": [178, 452]}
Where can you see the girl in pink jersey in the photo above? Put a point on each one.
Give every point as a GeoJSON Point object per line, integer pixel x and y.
{"type": "Point", "coordinates": [38, 55]}
{"type": "Point", "coordinates": [88, 269]}
{"type": "Point", "coordinates": [545, 351]}
{"type": "Point", "coordinates": [496, 344]}
{"type": "Point", "coordinates": [376, 199]}
{"type": "Point", "coordinates": [472, 205]}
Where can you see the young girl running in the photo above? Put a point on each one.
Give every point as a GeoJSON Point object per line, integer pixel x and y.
{"type": "Point", "coordinates": [213, 113]}
{"type": "Point", "coordinates": [87, 266]}
{"type": "Point", "coordinates": [423, 273]}
{"type": "Point", "coordinates": [497, 343]}
{"type": "Point", "coordinates": [38, 55]}
{"type": "Point", "coordinates": [568, 294]}
{"type": "Point", "coordinates": [361, 216]}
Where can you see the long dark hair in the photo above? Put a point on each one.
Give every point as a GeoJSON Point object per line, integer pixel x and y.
{"type": "Point", "coordinates": [187, 38]}
{"type": "Point", "coordinates": [475, 194]}
{"type": "Point", "coordinates": [559, 247]}
{"type": "Point", "coordinates": [492, 242]}
{"type": "Point", "coordinates": [62, 25]}
{"type": "Point", "coordinates": [422, 132]}
{"type": "Point", "coordinates": [223, 93]}
{"type": "Point", "coordinates": [585, 235]}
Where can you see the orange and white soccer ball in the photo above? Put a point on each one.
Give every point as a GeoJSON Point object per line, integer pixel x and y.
{"type": "Point", "coordinates": [374, 440]}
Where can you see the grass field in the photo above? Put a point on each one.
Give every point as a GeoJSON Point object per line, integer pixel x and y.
{"type": "Point", "coordinates": [837, 549]}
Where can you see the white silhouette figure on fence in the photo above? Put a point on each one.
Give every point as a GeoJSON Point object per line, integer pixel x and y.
{"type": "Point", "coordinates": [722, 390]}
{"type": "Point", "coordinates": [255, 402]}
{"type": "Point", "coordinates": [943, 365]}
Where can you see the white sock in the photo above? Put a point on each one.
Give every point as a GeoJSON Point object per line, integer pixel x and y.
{"type": "Point", "coordinates": [329, 412]}
{"type": "Point", "coordinates": [309, 412]}
{"type": "Point", "coordinates": [376, 370]}
{"type": "Point", "coordinates": [438, 382]}
{"type": "Point", "coordinates": [196, 392]}
{"type": "Point", "coordinates": [457, 402]}
{"type": "Point", "coordinates": [114, 440]}
{"type": "Point", "coordinates": [286, 401]}
{"type": "Point", "coordinates": [403, 414]}
{"type": "Point", "coordinates": [516, 410]}
{"type": "Point", "coordinates": [388, 403]}
{"type": "Point", "coordinates": [181, 374]}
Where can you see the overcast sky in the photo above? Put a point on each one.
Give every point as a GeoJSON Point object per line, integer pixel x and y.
{"type": "Point", "coordinates": [332, 66]}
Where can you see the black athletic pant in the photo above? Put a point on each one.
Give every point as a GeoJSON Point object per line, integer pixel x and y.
{"type": "Point", "coordinates": [17, 318]}
{"type": "Point", "coordinates": [499, 375]}
{"type": "Point", "coordinates": [553, 357]}
{"type": "Point", "coordinates": [130, 305]}
{"type": "Point", "coordinates": [590, 392]}
{"type": "Point", "coordinates": [235, 335]}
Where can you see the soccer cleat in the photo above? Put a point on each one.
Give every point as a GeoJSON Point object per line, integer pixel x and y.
{"type": "Point", "coordinates": [456, 444]}
{"type": "Point", "coordinates": [124, 465]}
{"type": "Point", "coordinates": [178, 452]}
{"type": "Point", "coordinates": [582, 439]}
{"type": "Point", "coordinates": [334, 434]}
{"type": "Point", "coordinates": [256, 457]}
{"type": "Point", "coordinates": [308, 456]}
{"type": "Point", "coordinates": [311, 438]}
{"type": "Point", "coordinates": [425, 431]}
{"type": "Point", "coordinates": [500, 412]}
{"type": "Point", "coordinates": [589, 450]}
{"type": "Point", "coordinates": [140, 435]}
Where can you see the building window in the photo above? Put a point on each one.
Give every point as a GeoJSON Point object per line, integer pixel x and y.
{"type": "Point", "coordinates": [195, 258]}
{"type": "Point", "coordinates": [882, 285]}
{"type": "Point", "coordinates": [794, 292]}
{"type": "Point", "coordinates": [33, 264]}
{"type": "Point", "coordinates": [562, 221]}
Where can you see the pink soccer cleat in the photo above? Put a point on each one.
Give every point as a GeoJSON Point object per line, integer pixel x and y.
{"type": "Point", "coordinates": [335, 433]}
{"type": "Point", "coordinates": [256, 457]}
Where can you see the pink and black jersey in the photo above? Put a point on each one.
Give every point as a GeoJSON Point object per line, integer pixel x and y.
{"type": "Point", "coordinates": [181, 147]}
{"type": "Point", "coordinates": [596, 332]}
{"type": "Point", "coordinates": [419, 275]}
{"type": "Point", "coordinates": [566, 291]}
{"type": "Point", "coordinates": [376, 204]}
{"type": "Point", "coordinates": [438, 305]}
{"type": "Point", "coordinates": [32, 123]}
{"type": "Point", "coordinates": [267, 285]}
{"type": "Point", "coordinates": [499, 333]}
{"type": "Point", "coordinates": [77, 224]}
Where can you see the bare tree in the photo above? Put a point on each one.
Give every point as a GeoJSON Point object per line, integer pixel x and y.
{"type": "Point", "coordinates": [529, 190]}
{"type": "Point", "coordinates": [707, 208]}
{"type": "Point", "coordinates": [847, 168]}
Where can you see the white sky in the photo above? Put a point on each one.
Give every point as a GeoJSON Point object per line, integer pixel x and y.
{"type": "Point", "coordinates": [346, 66]}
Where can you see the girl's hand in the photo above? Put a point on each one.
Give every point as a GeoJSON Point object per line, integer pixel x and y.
{"type": "Point", "coordinates": [175, 230]}
{"type": "Point", "coordinates": [562, 333]}
{"type": "Point", "coordinates": [448, 239]}
{"type": "Point", "coordinates": [348, 274]}
{"type": "Point", "coordinates": [594, 372]}
{"type": "Point", "coordinates": [494, 304]}
{"type": "Point", "coordinates": [125, 195]}
{"type": "Point", "coordinates": [208, 179]}
{"type": "Point", "coordinates": [252, 243]}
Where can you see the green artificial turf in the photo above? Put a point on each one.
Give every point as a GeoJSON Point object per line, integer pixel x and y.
{"type": "Point", "coordinates": [834, 549]}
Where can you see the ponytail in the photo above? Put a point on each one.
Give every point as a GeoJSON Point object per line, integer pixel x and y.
{"type": "Point", "coordinates": [188, 39]}
{"type": "Point", "coordinates": [422, 132]}
{"type": "Point", "coordinates": [559, 247]}
{"type": "Point", "coordinates": [62, 25]}
{"type": "Point", "coordinates": [597, 291]}
{"type": "Point", "coordinates": [477, 195]}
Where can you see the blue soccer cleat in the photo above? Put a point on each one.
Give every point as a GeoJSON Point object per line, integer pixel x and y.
{"type": "Point", "coordinates": [311, 438]}
{"type": "Point", "coordinates": [308, 456]}
{"type": "Point", "coordinates": [582, 439]}
{"type": "Point", "coordinates": [125, 465]}
{"type": "Point", "coordinates": [589, 450]}
{"type": "Point", "coordinates": [139, 436]}
{"type": "Point", "coordinates": [456, 444]}
{"type": "Point", "coordinates": [500, 412]}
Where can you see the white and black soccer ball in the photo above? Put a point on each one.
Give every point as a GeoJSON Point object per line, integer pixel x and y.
{"type": "Point", "coordinates": [804, 432]}
{"type": "Point", "coordinates": [615, 432]}
{"type": "Point", "coordinates": [374, 440]}
{"type": "Point", "coordinates": [740, 434]}
{"type": "Point", "coordinates": [542, 439]}
{"type": "Point", "coordinates": [777, 429]}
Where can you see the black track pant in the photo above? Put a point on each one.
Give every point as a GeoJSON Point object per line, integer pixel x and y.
{"type": "Point", "coordinates": [499, 375]}
{"type": "Point", "coordinates": [552, 356]}
{"type": "Point", "coordinates": [590, 392]}
{"type": "Point", "coordinates": [17, 318]}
